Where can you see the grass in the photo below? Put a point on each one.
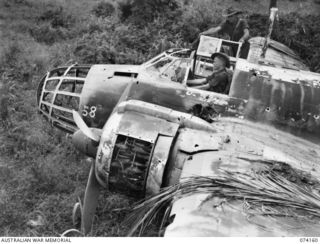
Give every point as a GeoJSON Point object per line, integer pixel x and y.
{"type": "Point", "coordinates": [41, 174]}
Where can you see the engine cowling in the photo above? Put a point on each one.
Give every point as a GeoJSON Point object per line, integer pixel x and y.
{"type": "Point", "coordinates": [144, 146]}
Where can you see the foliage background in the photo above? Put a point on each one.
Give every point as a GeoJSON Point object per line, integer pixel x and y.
{"type": "Point", "coordinates": [41, 174]}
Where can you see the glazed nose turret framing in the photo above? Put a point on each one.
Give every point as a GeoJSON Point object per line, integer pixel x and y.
{"type": "Point", "coordinates": [59, 93]}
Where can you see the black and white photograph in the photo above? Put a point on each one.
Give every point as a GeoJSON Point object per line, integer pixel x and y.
{"type": "Point", "coordinates": [158, 119]}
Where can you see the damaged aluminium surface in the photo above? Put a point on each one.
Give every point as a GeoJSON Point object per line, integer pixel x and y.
{"type": "Point", "coordinates": [250, 149]}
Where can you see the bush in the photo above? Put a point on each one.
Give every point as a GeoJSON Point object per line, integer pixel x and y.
{"type": "Point", "coordinates": [258, 24]}
{"type": "Point", "coordinates": [126, 43]}
{"type": "Point", "coordinates": [103, 9]}
{"type": "Point", "coordinates": [302, 34]}
{"type": "Point", "coordinates": [140, 12]}
{"type": "Point", "coordinates": [95, 48]}
{"type": "Point", "coordinates": [54, 25]}
{"type": "Point", "coordinates": [61, 54]}
{"type": "Point", "coordinates": [44, 33]}
{"type": "Point", "coordinates": [22, 58]}
{"type": "Point", "coordinates": [9, 3]}
{"type": "Point", "coordinates": [196, 18]}
{"type": "Point", "coordinates": [57, 17]}
{"type": "Point", "coordinates": [125, 8]}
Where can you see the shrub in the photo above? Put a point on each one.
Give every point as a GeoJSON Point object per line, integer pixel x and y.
{"type": "Point", "coordinates": [258, 24]}
{"type": "Point", "coordinates": [54, 25]}
{"type": "Point", "coordinates": [94, 48]}
{"type": "Point", "coordinates": [125, 8]}
{"type": "Point", "coordinates": [44, 33]}
{"type": "Point", "coordinates": [9, 3]}
{"type": "Point", "coordinates": [301, 33]}
{"type": "Point", "coordinates": [198, 17]}
{"type": "Point", "coordinates": [22, 58]}
{"type": "Point", "coordinates": [60, 54]}
{"type": "Point", "coordinates": [95, 24]}
{"type": "Point", "coordinates": [103, 9]}
{"type": "Point", "coordinates": [57, 17]}
{"type": "Point", "coordinates": [140, 12]}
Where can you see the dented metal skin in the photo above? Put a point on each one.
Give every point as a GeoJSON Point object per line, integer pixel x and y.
{"type": "Point", "coordinates": [242, 146]}
{"type": "Point", "coordinates": [286, 97]}
{"type": "Point", "coordinates": [154, 130]}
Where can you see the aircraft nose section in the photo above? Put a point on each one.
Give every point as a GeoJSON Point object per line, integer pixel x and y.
{"type": "Point", "coordinates": [59, 93]}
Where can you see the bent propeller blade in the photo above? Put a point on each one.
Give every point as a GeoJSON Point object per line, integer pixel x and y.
{"type": "Point", "coordinates": [83, 127]}
{"type": "Point", "coordinates": [90, 201]}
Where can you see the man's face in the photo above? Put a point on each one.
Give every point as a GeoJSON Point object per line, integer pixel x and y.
{"type": "Point", "coordinates": [233, 18]}
{"type": "Point", "coordinates": [218, 63]}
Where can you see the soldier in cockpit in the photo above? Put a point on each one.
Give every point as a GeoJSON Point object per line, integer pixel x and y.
{"type": "Point", "coordinates": [220, 79]}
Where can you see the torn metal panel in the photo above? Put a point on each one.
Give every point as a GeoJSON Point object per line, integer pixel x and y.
{"type": "Point", "coordinates": [193, 141]}
{"type": "Point", "coordinates": [175, 165]}
{"type": "Point", "coordinates": [146, 127]}
{"type": "Point", "coordinates": [106, 147]}
{"type": "Point", "coordinates": [158, 163]}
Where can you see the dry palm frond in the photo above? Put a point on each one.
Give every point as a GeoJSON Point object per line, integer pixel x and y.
{"type": "Point", "coordinates": [264, 193]}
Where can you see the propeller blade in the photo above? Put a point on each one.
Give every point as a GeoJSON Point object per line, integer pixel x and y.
{"type": "Point", "coordinates": [83, 127]}
{"type": "Point", "coordinates": [90, 201]}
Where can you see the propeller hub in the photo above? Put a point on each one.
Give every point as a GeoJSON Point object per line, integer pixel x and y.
{"type": "Point", "coordinates": [85, 144]}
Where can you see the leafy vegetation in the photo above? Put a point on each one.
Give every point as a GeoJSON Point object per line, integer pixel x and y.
{"type": "Point", "coordinates": [103, 9]}
{"type": "Point", "coordinates": [41, 174]}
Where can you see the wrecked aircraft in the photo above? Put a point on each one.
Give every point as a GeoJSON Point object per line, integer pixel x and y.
{"type": "Point", "coordinates": [240, 170]}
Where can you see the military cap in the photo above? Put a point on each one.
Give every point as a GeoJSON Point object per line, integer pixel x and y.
{"type": "Point", "coordinates": [223, 56]}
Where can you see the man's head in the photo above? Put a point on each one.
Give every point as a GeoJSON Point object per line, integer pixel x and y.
{"type": "Point", "coordinates": [220, 60]}
{"type": "Point", "coordinates": [232, 14]}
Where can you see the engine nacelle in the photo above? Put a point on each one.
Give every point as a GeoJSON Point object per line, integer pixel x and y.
{"type": "Point", "coordinates": [144, 146]}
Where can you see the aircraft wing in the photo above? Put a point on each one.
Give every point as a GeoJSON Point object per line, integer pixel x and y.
{"type": "Point", "coordinates": [260, 173]}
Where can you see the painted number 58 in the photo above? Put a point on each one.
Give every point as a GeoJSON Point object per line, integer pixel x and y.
{"type": "Point", "coordinates": [89, 111]}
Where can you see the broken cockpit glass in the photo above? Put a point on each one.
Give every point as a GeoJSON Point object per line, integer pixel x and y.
{"type": "Point", "coordinates": [173, 65]}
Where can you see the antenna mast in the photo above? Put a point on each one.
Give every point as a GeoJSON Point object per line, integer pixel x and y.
{"type": "Point", "coordinates": [273, 13]}
{"type": "Point", "coordinates": [272, 4]}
